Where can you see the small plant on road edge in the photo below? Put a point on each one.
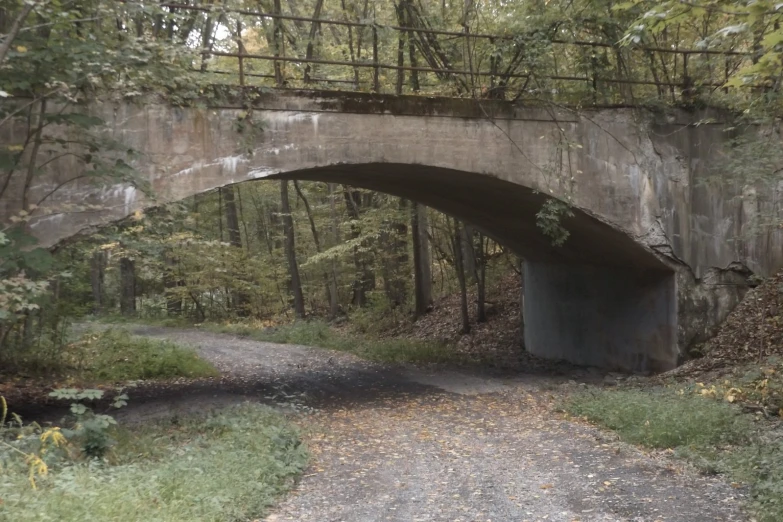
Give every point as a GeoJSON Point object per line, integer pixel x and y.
{"type": "Point", "coordinates": [92, 430]}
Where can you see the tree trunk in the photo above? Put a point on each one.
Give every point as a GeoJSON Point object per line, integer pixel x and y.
{"type": "Point", "coordinates": [290, 251]}
{"type": "Point", "coordinates": [365, 278]}
{"type": "Point", "coordinates": [171, 281]}
{"type": "Point", "coordinates": [220, 213]}
{"type": "Point", "coordinates": [277, 44]}
{"type": "Point", "coordinates": [243, 220]}
{"type": "Point", "coordinates": [315, 28]}
{"type": "Point", "coordinates": [400, 49]}
{"type": "Point", "coordinates": [97, 279]}
{"type": "Point", "coordinates": [459, 266]}
{"type": "Point", "coordinates": [334, 305]}
{"type": "Point", "coordinates": [317, 240]}
{"type": "Point", "coordinates": [413, 62]}
{"type": "Point", "coordinates": [422, 265]}
{"type": "Point", "coordinates": [240, 299]}
{"type": "Point", "coordinates": [232, 217]}
{"type": "Point", "coordinates": [264, 236]}
{"type": "Point", "coordinates": [206, 41]}
{"type": "Point", "coordinates": [481, 280]}
{"type": "Point", "coordinates": [16, 26]}
{"type": "Point", "coordinates": [469, 251]}
{"type": "Point", "coordinates": [396, 262]}
{"type": "Point", "coordinates": [127, 286]}
{"type": "Point", "coordinates": [32, 162]}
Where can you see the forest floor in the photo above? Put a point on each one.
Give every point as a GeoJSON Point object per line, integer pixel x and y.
{"type": "Point", "coordinates": [394, 442]}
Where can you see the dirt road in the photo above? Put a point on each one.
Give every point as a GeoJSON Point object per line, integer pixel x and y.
{"type": "Point", "coordinates": [400, 444]}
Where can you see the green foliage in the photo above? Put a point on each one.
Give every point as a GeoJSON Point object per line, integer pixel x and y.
{"type": "Point", "coordinates": [65, 54]}
{"type": "Point", "coordinates": [114, 355]}
{"type": "Point", "coordinates": [92, 431]}
{"type": "Point", "coordinates": [753, 27]}
{"type": "Point", "coordinates": [377, 317]}
{"type": "Point", "coordinates": [550, 220]}
{"type": "Point", "coordinates": [21, 266]}
{"type": "Point", "coordinates": [229, 465]}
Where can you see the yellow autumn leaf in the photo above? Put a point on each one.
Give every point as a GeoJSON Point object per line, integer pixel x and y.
{"type": "Point", "coordinates": [21, 49]}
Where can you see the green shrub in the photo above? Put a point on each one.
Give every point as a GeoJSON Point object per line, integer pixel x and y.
{"type": "Point", "coordinates": [661, 419]}
{"type": "Point", "coordinates": [377, 316]}
{"type": "Point", "coordinates": [230, 466]}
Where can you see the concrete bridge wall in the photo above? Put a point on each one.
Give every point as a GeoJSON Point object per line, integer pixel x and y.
{"type": "Point", "coordinates": [649, 264]}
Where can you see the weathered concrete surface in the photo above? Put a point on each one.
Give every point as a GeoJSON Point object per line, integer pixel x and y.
{"type": "Point", "coordinates": [630, 315]}
{"type": "Point", "coordinates": [633, 177]}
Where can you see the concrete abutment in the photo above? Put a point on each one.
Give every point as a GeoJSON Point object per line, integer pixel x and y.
{"type": "Point", "coordinates": [602, 316]}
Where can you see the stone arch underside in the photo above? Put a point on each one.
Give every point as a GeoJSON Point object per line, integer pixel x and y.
{"type": "Point", "coordinates": [602, 298]}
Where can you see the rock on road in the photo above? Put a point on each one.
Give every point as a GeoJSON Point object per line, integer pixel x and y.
{"type": "Point", "coordinates": [392, 443]}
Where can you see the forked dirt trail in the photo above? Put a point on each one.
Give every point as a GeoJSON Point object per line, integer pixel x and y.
{"type": "Point", "coordinates": [397, 444]}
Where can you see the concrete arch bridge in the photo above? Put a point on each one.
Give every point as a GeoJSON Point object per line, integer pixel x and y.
{"type": "Point", "coordinates": [655, 258]}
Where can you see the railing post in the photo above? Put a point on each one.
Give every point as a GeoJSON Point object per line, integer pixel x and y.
{"type": "Point", "coordinates": [376, 80]}
{"type": "Point", "coordinates": [241, 52]}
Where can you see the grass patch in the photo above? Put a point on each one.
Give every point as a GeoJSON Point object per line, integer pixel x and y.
{"type": "Point", "coordinates": [118, 319]}
{"type": "Point", "coordinates": [662, 419]}
{"type": "Point", "coordinates": [320, 334]}
{"type": "Point", "coordinates": [712, 434]}
{"type": "Point", "coordinates": [107, 355]}
{"type": "Point", "coordinates": [231, 465]}
{"type": "Point", "coordinates": [114, 355]}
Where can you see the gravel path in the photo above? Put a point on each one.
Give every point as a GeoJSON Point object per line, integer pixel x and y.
{"type": "Point", "coordinates": [400, 444]}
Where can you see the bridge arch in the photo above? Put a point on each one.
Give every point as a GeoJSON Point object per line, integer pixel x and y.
{"type": "Point", "coordinates": [620, 292]}
{"type": "Point", "coordinates": [600, 299]}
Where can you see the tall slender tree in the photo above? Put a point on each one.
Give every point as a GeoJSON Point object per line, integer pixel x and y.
{"type": "Point", "coordinates": [290, 251]}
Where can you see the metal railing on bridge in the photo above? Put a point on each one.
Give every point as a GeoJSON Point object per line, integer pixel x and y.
{"type": "Point", "coordinates": [418, 59]}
